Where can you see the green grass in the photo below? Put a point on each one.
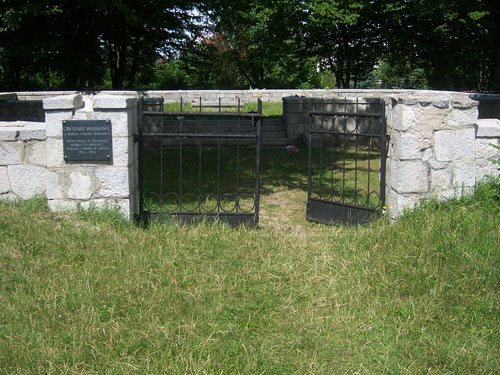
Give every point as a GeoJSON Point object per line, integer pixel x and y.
{"type": "Point", "coordinates": [268, 109]}
{"type": "Point", "coordinates": [89, 293]}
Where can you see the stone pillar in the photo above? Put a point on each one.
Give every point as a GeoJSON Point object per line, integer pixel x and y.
{"type": "Point", "coordinates": [431, 151]}
{"type": "Point", "coordinates": [295, 115]}
{"type": "Point", "coordinates": [101, 183]}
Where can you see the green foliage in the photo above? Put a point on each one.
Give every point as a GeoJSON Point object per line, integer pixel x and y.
{"type": "Point", "coordinates": [453, 42]}
{"type": "Point", "coordinates": [169, 76]}
{"type": "Point", "coordinates": [81, 41]}
{"type": "Point", "coordinates": [95, 44]}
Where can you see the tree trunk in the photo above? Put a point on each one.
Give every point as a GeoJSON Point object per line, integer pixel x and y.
{"type": "Point", "coordinates": [116, 65]}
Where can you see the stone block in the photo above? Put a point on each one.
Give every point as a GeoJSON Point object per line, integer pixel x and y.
{"type": "Point", "coordinates": [84, 114]}
{"type": "Point", "coordinates": [463, 102]}
{"type": "Point", "coordinates": [105, 101]}
{"type": "Point", "coordinates": [486, 170]}
{"type": "Point", "coordinates": [295, 129]}
{"type": "Point", "coordinates": [8, 133]}
{"type": "Point", "coordinates": [26, 180]}
{"type": "Point", "coordinates": [464, 175]}
{"type": "Point", "coordinates": [441, 103]}
{"type": "Point", "coordinates": [33, 131]}
{"type": "Point", "coordinates": [410, 176]}
{"type": "Point", "coordinates": [441, 179]}
{"type": "Point", "coordinates": [409, 146]}
{"type": "Point", "coordinates": [36, 153]}
{"type": "Point", "coordinates": [53, 121]}
{"type": "Point", "coordinates": [121, 155]}
{"type": "Point", "coordinates": [398, 203]}
{"type": "Point", "coordinates": [403, 118]}
{"type": "Point", "coordinates": [81, 185]}
{"type": "Point", "coordinates": [462, 117]}
{"type": "Point", "coordinates": [452, 145]}
{"type": "Point", "coordinates": [291, 118]}
{"type": "Point", "coordinates": [121, 121]}
{"type": "Point", "coordinates": [53, 184]}
{"type": "Point", "coordinates": [71, 101]}
{"type": "Point", "coordinates": [112, 182]}
{"type": "Point", "coordinates": [488, 128]}
{"type": "Point", "coordinates": [408, 100]}
{"type": "Point", "coordinates": [55, 153]}
{"type": "Point", "coordinates": [483, 148]}
{"type": "Point", "coordinates": [4, 181]}
{"type": "Point", "coordinates": [11, 153]}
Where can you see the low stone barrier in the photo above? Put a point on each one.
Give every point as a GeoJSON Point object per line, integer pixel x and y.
{"type": "Point", "coordinates": [32, 157]}
{"type": "Point", "coordinates": [245, 96]}
{"type": "Point", "coordinates": [438, 148]}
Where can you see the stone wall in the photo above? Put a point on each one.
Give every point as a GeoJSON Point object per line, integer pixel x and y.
{"type": "Point", "coordinates": [32, 156]}
{"type": "Point", "coordinates": [246, 96]}
{"type": "Point", "coordinates": [438, 148]}
{"type": "Point", "coordinates": [296, 111]}
{"type": "Point", "coordinates": [23, 159]}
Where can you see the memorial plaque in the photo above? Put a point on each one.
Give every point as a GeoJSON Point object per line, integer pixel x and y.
{"type": "Point", "coordinates": [87, 140]}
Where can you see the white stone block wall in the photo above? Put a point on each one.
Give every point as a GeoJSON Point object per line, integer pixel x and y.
{"type": "Point", "coordinates": [438, 148]}
{"type": "Point", "coordinates": [246, 96]}
{"type": "Point", "coordinates": [32, 156]}
{"type": "Point", "coordinates": [23, 159]}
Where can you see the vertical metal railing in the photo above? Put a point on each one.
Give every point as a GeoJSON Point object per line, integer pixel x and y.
{"type": "Point", "coordinates": [350, 198]}
{"type": "Point", "coordinates": [174, 140]}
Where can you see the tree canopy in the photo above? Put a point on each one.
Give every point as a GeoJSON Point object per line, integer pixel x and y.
{"type": "Point", "coordinates": [94, 44]}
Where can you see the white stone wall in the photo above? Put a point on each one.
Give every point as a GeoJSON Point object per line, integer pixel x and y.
{"type": "Point", "coordinates": [23, 159]}
{"type": "Point", "coordinates": [32, 159]}
{"type": "Point", "coordinates": [246, 96]}
{"type": "Point", "coordinates": [438, 148]}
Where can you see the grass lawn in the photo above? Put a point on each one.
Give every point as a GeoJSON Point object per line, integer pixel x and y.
{"type": "Point", "coordinates": [268, 109]}
{"type": "Point", "coordinates": [88, 293]}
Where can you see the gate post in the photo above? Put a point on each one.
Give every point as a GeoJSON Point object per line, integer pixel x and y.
{"type": "Point", "coordinates": [435, 148]}
{"type": "Point", "coordinates": [97, 183]}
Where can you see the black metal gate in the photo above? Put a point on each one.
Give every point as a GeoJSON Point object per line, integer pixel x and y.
{"type": "Point", "coordinates": [199, 165]}
{"type": "Point", "coordinates": [347, 155]}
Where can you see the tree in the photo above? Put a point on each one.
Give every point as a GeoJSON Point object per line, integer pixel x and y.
{"type": "Point", "coordinates": [83, 39]}
{"type": "Point", "coordinates": [346, 36]}
{"type": "Point", "coordinates": [455, 42]}
{"type": "Point", "coordinates": [264, 40]}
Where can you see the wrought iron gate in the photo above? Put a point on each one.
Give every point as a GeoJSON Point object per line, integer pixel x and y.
{"type": "Point", "coordinates": [199, 165]}
{"type": "Point", "coordinates": [347, 154]}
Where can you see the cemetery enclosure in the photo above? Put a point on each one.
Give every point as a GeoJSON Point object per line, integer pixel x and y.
{"type": "Point", "coordinates": [439, 147]}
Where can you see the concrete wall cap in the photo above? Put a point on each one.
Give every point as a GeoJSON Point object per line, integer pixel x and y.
{"type": "Point", "coordinates": [71, 101]}
{"type": "Point", "coordinates": [489, 127]}
{"type": "Point", "coordinates": [107, 101]}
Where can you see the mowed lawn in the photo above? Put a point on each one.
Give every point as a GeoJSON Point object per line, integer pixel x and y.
{"type": "Point", "coordinates": [88, 293]}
